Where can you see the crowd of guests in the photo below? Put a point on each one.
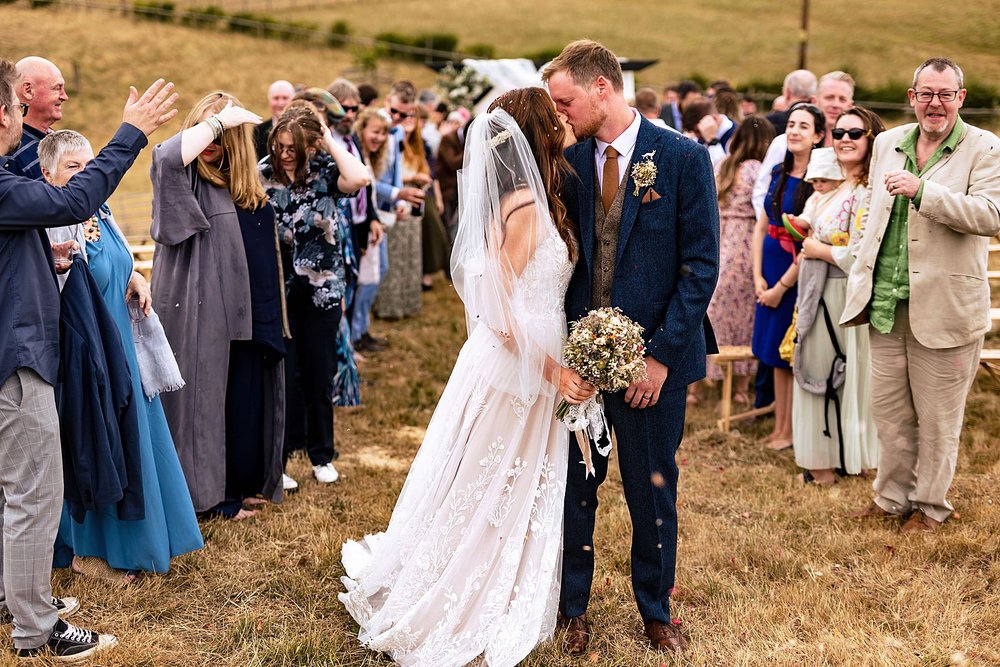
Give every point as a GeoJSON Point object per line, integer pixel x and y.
{"type": "Point", "coordinates": [829, 221]}
{"type": "Point", "coordinates": [278, 241]}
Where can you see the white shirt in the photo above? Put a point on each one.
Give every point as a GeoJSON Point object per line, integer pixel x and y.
{"type": "Point", "coordinates": [775, 155]}
{"type": "Point", "coordinates": [624, 144]}
{"type": "Point", "coordinates": [717, 152]}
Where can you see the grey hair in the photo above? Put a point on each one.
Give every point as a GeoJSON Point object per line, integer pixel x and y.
{"type": "Point", "coordinates": [940, 64]}
{"type": "Point", "coordinates": [56, 144]}
{"type": "Point", "coordinates": [343, 89]}
{"type": "Point", "coordinates": [800, 84]}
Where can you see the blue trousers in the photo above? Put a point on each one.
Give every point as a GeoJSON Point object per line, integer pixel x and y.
{"type": "Point", "coordinates": [647, 444]}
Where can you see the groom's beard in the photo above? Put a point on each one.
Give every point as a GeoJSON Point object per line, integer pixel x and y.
{"type": "Point", "coordinates": [593, 125]}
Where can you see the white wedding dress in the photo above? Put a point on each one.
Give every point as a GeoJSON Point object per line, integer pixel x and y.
{"type": "Point", "coordinates": [468, 569]}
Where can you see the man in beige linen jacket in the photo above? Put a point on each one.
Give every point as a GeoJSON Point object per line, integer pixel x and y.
{"type": "Point", "coordinates": [920, 282]}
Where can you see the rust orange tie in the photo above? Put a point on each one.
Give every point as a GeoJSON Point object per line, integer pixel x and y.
{"type": "Point", "coordinates": [609, 181]}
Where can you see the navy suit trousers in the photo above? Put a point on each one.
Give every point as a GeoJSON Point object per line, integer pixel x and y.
{"type": "Point", "coordinates": [647, 442]}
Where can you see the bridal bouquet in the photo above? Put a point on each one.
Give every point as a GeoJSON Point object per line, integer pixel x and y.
{"type": "Point", "coordinates": [605, 347]}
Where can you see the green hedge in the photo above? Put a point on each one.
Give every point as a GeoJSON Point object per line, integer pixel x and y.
{"type": "Point", "coordinates": [203, 17]}
{"type": "Point", "coordinates": [154, 11]}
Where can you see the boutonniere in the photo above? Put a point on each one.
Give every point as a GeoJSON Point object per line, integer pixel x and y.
{"type": "Point", "coordinates": [644, 173]}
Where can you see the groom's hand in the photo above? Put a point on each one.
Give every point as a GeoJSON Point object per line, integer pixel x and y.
{"type": "Point", "coordinates": [646, 393]}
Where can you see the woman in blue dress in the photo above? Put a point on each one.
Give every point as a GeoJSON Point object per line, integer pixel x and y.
{"type": "Point", "coordinates": [169, 527]}
{"type": "Point", "coordinates": [775, 270]}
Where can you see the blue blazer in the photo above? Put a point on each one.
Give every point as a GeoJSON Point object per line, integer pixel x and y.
{"type": "Point", "coordinates": [29, 297]}
{"type": "Point", "coordinates": [667, 260]}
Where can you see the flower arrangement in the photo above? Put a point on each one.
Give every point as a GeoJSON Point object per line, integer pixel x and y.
{"type": "Point", "coordinates": [462, 86]}
{"type": "Point", "coordinates": [606, 348]}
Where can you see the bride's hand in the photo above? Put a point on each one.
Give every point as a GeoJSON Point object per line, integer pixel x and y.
{"type": "Point", "coordinates": [574, 388]}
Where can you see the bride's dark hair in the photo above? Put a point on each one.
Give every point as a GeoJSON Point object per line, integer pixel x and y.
{"type": "Point", "coordinates": [535, 114]}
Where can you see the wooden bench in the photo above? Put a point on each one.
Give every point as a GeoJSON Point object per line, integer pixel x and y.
{"type": "Point", "coordinates": [990, 360]}
{"type": "Point", "coordinates": [727, 356]}
{"type": "Point", "coordinates": [142, 254]}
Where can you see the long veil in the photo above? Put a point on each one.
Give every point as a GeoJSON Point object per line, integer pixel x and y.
{"type": "Point", "coordinates": [500, 175]}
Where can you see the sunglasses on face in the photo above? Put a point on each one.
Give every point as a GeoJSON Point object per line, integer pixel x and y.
{"type": "Point", "coordinates": [854, 133]}
{"type": "Point", "coordinates": [217, 141]}
{"type": "Point", "coordinates": [402, 115]}
{"type": "Point", "coordinates": [943, 96]}
{"type": "Point", "coordinates": [350, 109]}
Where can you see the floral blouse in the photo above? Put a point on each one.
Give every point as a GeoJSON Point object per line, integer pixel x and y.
{"type": "Point", "coordinates": [311, 228]}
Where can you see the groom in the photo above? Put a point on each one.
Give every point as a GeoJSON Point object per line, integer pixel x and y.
{"type": "Point", "coordinates": [649, 245]}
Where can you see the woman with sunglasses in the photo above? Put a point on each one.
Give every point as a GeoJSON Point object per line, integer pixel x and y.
{"type": "Point", "coordinates": [305, 174]}
{"type": "Point", "coordinates": [217, 287]}
{"type": "Point", "coordinates": [834, 435]}
{"type": "Point", "coordinates": [774, 269]}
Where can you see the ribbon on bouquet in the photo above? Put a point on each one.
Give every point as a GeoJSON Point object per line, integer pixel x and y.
{"type": "Point", "coordinates": [588, 419]}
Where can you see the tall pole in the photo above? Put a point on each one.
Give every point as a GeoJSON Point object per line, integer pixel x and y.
{"type": "Point", "coordinates": [804, 35]}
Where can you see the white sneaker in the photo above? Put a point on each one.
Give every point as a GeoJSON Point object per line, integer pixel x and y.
{"type": "Point", "coordinates": [326, 474]}
{"type": "Point", "coordinates": [288, 484]}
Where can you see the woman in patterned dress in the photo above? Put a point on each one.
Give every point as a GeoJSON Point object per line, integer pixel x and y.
{"type": "Point", "coordinates": [304, 174]}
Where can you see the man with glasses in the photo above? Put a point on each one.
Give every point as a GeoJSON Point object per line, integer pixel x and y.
{"type": "Point", "coordinates": [920, 283]}
{"type": "Point", "coordinates": [42, 91]}
{"type": "Point", "coordinates": [31, 476]}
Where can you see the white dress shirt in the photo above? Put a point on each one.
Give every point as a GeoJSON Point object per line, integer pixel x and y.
{"type": "Point", "coordinates": [624, 144]}
{"type": "Point", "coordinates": [775, 155]}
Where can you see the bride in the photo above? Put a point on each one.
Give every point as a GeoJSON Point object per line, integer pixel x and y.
{"type": "Point", "coordinates": [468, 568]}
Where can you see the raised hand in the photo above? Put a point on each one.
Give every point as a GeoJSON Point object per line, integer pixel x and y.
{"type": "Point", "coordinates": [233, 116]}
{"type": "Point", "coordinates": [152, 109]}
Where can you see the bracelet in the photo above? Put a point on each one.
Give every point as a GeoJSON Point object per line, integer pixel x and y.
{"type": "Point", "coordinates": [216, 125]}
{"type": "Point", "coordinates": [782, 283]}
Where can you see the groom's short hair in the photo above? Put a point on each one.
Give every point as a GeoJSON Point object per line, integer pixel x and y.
{"type": "Point", "coordinates": [585, 60]}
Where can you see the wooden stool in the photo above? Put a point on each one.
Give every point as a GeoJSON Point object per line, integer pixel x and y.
{"type": "Point", "coordinates": [728, 354]}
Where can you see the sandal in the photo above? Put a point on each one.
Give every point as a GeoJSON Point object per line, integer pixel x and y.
{"type": "Point", "coordinates": [810, 480]}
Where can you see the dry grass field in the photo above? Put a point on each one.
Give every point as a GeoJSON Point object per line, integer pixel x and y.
{"type": "Point", "coordinates": [770, 572]}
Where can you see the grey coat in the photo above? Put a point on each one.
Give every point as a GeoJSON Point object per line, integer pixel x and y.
{"type": "Point", "coordinates": [201, 289]}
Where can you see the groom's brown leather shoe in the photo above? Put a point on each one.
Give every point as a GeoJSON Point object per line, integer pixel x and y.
{"type": "Point", "coordinates": [577, 635]}
{"type": "Point", "coordinates": [665, 636]}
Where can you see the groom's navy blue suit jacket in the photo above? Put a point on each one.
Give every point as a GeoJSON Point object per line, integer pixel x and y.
{"type": "Point", "coordinates": [668, 249]}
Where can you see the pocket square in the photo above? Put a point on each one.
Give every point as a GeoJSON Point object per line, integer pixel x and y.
{"type": "Point", "coordinates": [650, 196]}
